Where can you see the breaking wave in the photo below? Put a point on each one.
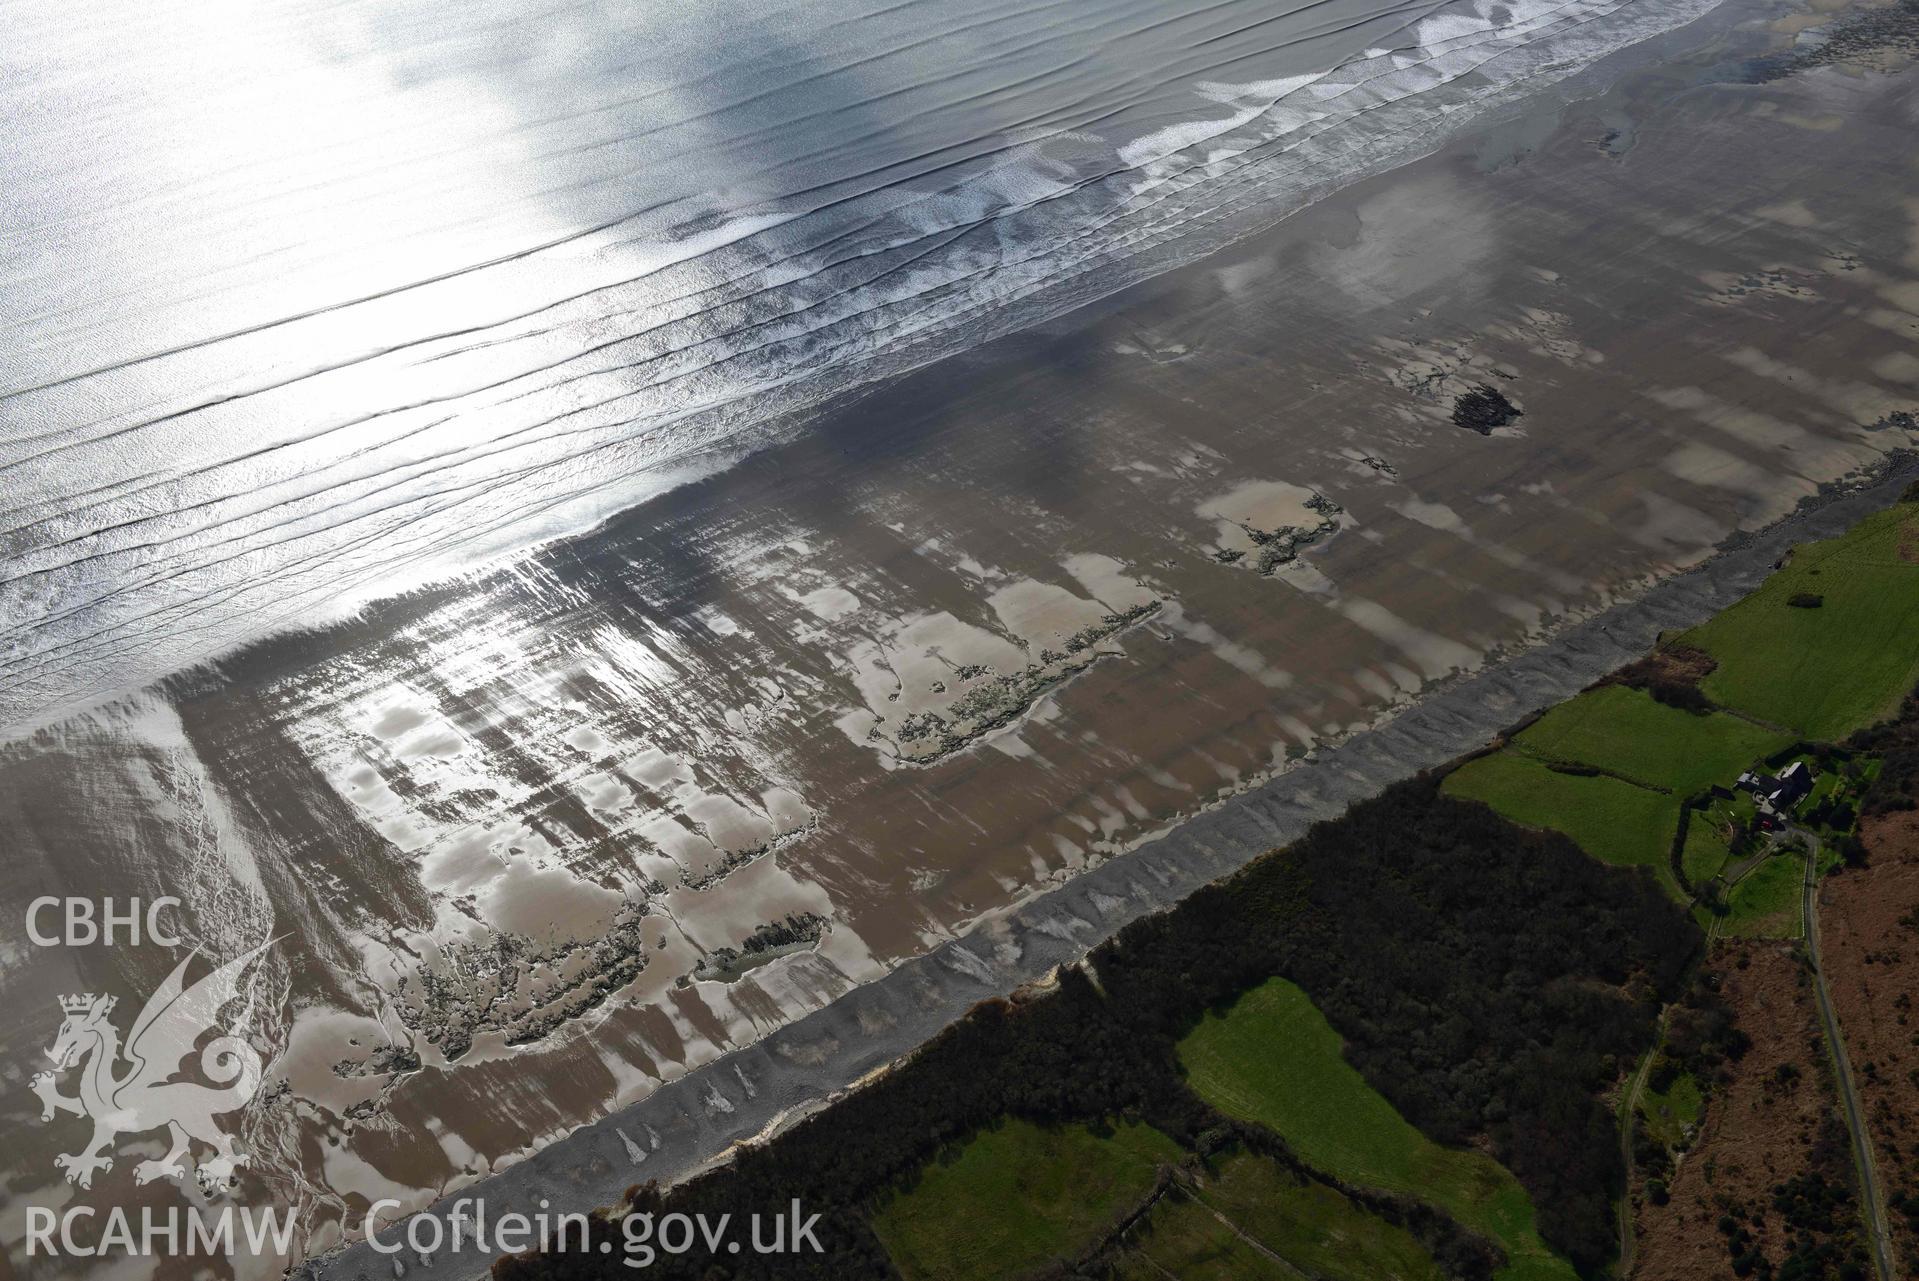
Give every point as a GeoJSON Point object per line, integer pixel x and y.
{"type": "Point", "coordinates": [486, 284]}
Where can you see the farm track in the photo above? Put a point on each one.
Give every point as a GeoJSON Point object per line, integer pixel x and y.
{"type": "Point", "coordinates": [1628, 1242]}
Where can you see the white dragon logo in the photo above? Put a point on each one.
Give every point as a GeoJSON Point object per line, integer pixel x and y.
{"type": "Point", "coordinates": [145, 1097]}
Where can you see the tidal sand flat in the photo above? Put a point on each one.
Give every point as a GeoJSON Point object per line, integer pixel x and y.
{"type": "Point", "coordinates": [538, 840]}
{"type": "Point", "coordinates": [1476, 1043]}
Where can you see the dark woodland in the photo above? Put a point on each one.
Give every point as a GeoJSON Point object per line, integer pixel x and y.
{"type": "Point", "coordinates": [1489, 980]}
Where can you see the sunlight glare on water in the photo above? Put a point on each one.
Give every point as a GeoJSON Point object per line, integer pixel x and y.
{"type": "Point", "coordinates": [308, 303]}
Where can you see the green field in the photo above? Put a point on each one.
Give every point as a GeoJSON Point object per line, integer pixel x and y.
{"type": "Point", "coordinates": [1705, 852]}
{"type": "Point", "coordinates": [1627, 731]}
{"type": "Point", "coordinates": [1829, 784]}
{"type": "Point", "coordinates": [1668, 754]}
{"type": "Point", "coordinates": [1668, 1113]}
{"type": "Point", "coordinates": [1189, 1244]}
{"type": "Point", "coordinates": [1274, 1060]}
{"type": "Point", "coordinates": [1765, 903]}
{"type": "Point", "coordinates": [1828, 671]}
{"type": "Point", "coordinates": [1309, 1225]}
{"type": "Point", "coordinates": [1017, 1196]}
{"type": "Point", "coordinates": [1615, 822]}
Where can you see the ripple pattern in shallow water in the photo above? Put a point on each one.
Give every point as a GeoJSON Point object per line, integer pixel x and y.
{"type": "Point", "coordinates": [313, 303]}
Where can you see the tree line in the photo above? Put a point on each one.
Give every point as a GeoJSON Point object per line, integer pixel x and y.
{"type": "Point", "coordinates": [1489, 980]}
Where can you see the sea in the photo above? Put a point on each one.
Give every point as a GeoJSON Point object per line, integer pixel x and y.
{"type": "Point", "coordinates": [311, 302]}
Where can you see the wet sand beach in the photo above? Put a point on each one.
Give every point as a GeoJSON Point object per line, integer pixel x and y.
{"type": "Point", "coordinates": [755, 1092]}
{"type": "Point", "coordinates": [980, 664]}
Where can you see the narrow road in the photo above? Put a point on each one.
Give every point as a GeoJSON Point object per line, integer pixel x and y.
{"type": "Point", "coordinates": [1872, 1197]}
{"type": "Point", "coordinates": [1628, 1240]}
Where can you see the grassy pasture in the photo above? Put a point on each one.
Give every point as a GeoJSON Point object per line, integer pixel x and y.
{"type": "Point", "coordinates": [1613, 821]}
{"type": "Point", "coordinates": [1016, 1196]}
{"type": "Point", "coordinates": [1828, 671]}
{"type": "Point", "coordinates": [1273, 1059]}
{"type": "Point", "coordinates": [1188, 1243]}
{"type": "Point", "coordinates": [1667, 1113]}
{"type": "Point", "coordinates": [1705, 852]}
{"type": "Point", "coordinates": [1309, 1225]}
{"type": "Point", "coordinates": [1765, 903]}
{"type": "Point", "coordinates": [1627, 731]}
